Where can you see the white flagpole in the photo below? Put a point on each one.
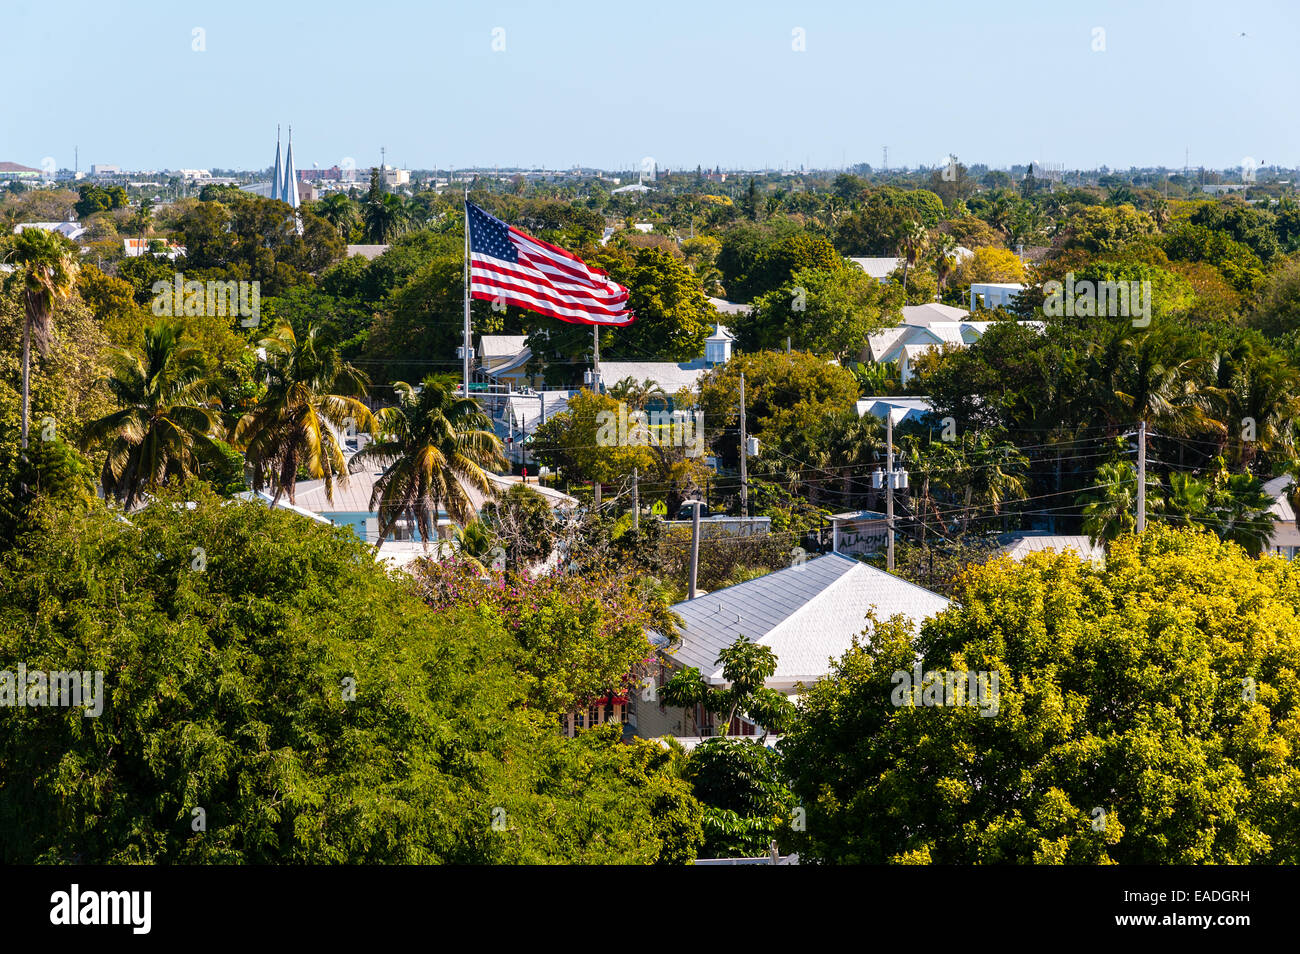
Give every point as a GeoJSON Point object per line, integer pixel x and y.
{"type": "Point", "coordinates": [466, 345]}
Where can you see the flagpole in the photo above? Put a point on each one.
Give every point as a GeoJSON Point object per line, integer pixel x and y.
{"type": "Point", "coordinates": [466, 345]}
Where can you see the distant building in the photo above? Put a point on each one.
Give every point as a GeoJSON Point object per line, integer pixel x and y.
{"type": "Point", "coordinates": [392, 178]}
{"type": "Point", "coordinates": [14, 170]}
{"type": "Point", "coordinates": [69, 230]}
{"type": "Point", "coordinates": [135, 247]}
{"type": "Point", "coordinates": [98, 169]}
{"type": "Point", "coordinates": [367, 252]}
{"type": "Point", "coordinates": [333, 174]}
{"type": "Point", "coordinates": [994, 294]}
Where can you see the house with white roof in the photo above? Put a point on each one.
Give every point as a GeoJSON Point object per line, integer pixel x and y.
{"type": "Point", "coordinates": [496, 350]}
{"type": "Point", "coordinates": [906, 343]}
{"type": "Point", "coordinates": [994, 294]}
{"type": "Point", "coordinates": [899, 409]}
{"type": "Point", "coordinates": [349, 504]}
{"type": "Point", "coordinates": [807, 614]}
{"type": "Point", "coordinates": [1285, 540]}
{"type": "Point", "coordinates": [878, 267]}
{"type": "Point", "coordinates": [69, 230]}
{"type": "Point", "coordinates": [1021, 544]}
{"type": "Point", "coordinates": [722, 306]}
{"type": "Point", "coordinates": [672, 376]}
{"type": "Point", "coordinates": [933, 312]}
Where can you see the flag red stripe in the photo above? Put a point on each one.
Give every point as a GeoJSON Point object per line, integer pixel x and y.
{"type": "Point", "coordinates": [493, 271]}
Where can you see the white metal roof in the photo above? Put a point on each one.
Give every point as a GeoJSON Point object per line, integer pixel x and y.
{"type": "Point", "coordinates": [1017, 545]}
{"type": "Point", "coordinates": [806, 614]}
{"type": "Point", "coordinates": [501, 346]}
{"type": "Point", "coordinates": [932, 312]}
{"type": "Point", "coordinates": [877, 267]}
{"type": "Point", "coordinates": [669, 375]}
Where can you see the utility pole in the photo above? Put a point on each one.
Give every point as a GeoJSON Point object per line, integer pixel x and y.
{"type": "Point", "coordinates": [744, 453]}
{"type": "Point", "coordinates": [889, 489]}
{"type": "Point", "coordinates": [636, 502]}
{"type": "Point", "coordinates": [695, 547]}
{"type": "Point", "coordinates": [1142, 476]}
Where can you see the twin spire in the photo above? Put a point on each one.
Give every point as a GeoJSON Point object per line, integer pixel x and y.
{"type": "Point", "coordinates": [284, 182]}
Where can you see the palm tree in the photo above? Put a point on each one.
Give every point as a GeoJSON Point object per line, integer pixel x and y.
{"type": "Point", "coordinates": [1239, 509]}
{"type": "Point", "coordinates": [384, 217]}
{"type": "Point", "coordinates": [48, 272]}
{"type": "Point", "coordinates": [997, 474]}
{"type": "Point", "coordinates": [1189, 499]}
{"type": "Point", "coordinates": [435, 446]}
{"type": "Point", "coordinates": [1109, 507]}
{"type": "Point", "coordinates": [475, 543]}
{"type": "Point", "coordinates": [340, 211]}
{"type": "Point", "coordinates": [638, 396]}
{"type": "Point", "coordinates": [945, 259]}
{"type": "Point", "coordinates": [309, 387]}
{"type": "Point", "coordinates": [1262, 394]}
{"type": "Point", "coordinates": [1145, 387]}
{"type": "Point", "coordinates": [912, 239]}
{"type": "Point", "coordinates": [165, 426]}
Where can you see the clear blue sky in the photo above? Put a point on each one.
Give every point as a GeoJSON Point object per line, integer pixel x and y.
{"type": "Point", "coordinates": [606, 84]}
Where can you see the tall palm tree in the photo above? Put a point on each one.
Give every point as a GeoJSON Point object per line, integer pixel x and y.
{"type": "Point", "coordinates": [998, 473]}
{"type": "Point", "coordinates": [309, 387]}
{"type": "Point", "coordinates": [945, 259]}
{"type": "Point", "coordinates": [339, 210]}
{"type": "Point", "coordinates": [165, 426]}
{"type": "Point", "coordinates": [384, 217]}
{"type": "Point", "coordinates": [48, 272]}
{"type": "Point", "coordinates": [1147, 386]}
{"type": "Point", "coordinates": [1262, 397]}
{"type": "Point", "coordinates": [912, 239]}
{"type": "Point", "coordinates": [638, 395]}
{"type": "Point", "coordinates": [1109, 507]}
{"type": "Point", "coordinates": [435, 446]}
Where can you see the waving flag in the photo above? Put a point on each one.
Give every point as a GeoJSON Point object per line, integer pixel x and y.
{"type": "Point", "coordinates": [507, 265]}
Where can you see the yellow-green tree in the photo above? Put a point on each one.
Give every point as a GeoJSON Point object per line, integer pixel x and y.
{"type": "Point", "coordinates": [1147, 712]}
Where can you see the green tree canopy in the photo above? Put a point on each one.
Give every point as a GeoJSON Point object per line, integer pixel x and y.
{"type": "Point", "coordinates": [1146, 713]}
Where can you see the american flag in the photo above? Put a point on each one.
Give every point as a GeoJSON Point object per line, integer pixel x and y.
{"type": "Point", "coordinates": [517, 269]}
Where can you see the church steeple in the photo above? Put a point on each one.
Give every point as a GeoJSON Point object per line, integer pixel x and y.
{"type": "Point", "coordinates": [289, 191]}
{"type": "Point", "coordinates": [277, 176]}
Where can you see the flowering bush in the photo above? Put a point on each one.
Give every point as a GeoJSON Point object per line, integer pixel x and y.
{"type": "Point", "coordinates": [579, 638]}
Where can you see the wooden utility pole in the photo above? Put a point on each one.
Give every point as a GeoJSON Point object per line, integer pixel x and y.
{"type": "Point", "coordinates": [889, 489]}
{"type": "Point", "coordinates": [1142, 477]}
{"type": "Point", "coordinates": [636, 502]}
{"type": "Point", "coordinates": [744, 453]}
{"type": "Point", "coordinates": [695, 547]}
